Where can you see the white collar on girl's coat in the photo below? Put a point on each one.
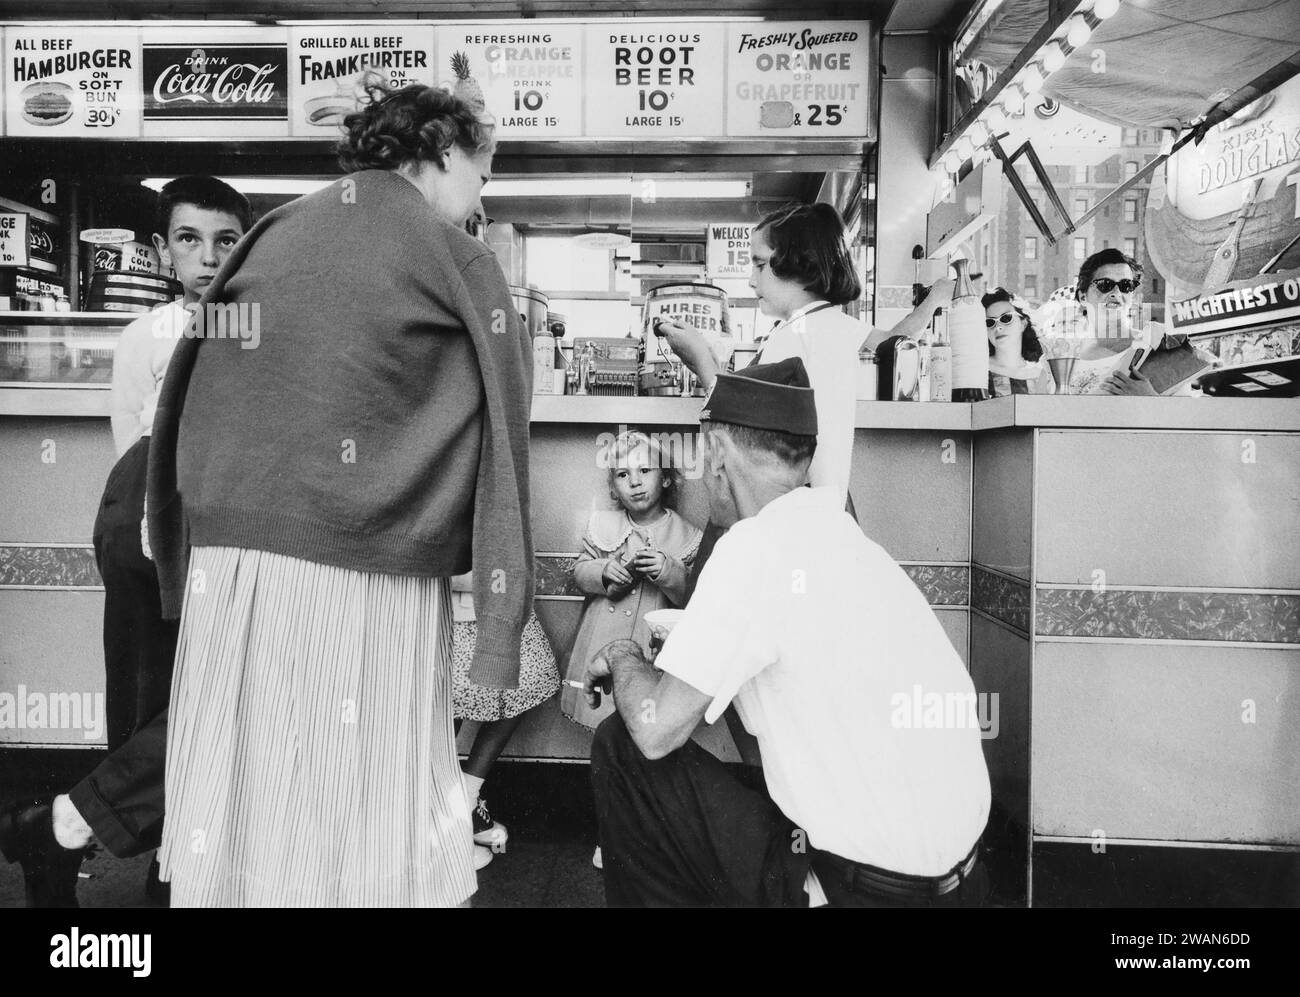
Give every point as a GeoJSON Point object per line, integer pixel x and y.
{"type": "Point", "coordinates": [609, 529]}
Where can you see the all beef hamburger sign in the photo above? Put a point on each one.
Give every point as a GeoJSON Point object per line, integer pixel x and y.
{"type": "Point", "coordinates": [72, 82]}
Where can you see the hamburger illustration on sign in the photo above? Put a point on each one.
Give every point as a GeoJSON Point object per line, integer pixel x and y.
{"type": "Point", "coordinates": [47, 103]}
{"type": "Point", "coordinates": [71, 82]}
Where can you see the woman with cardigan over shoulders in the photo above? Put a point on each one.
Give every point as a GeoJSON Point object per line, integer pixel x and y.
{"type": "Point", "coordinates": [343, 428]}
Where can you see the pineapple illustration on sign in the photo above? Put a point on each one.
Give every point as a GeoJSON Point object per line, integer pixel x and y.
{"type": "Point", "coordinates": [467, 88]}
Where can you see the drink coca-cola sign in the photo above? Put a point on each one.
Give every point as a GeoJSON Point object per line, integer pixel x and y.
{"type": "Point", "coordinates": [226, 82]}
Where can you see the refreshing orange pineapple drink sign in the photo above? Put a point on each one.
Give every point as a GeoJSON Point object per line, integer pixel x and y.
{"type": "Point", "coordinates": [526, 74]}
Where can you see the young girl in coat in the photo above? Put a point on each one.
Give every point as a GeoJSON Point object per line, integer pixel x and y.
{"type": "Point", "coordinates": [634, 559]}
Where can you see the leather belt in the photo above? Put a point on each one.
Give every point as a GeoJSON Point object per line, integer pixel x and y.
{"type": "Point", "coordinates": [860, 877]}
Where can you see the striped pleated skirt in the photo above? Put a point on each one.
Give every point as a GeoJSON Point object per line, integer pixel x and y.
{"type": "Point", "coordinates": [310, 755]}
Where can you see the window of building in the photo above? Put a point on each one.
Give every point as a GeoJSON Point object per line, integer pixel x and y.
{"type": "Point", "coordinates": [984, 257]}
{"type": "Point", "coordinates": [1031, 286]}
{"type": "Point", "coordinates": [1080, 207]}
{"type": "Point", "coordinates": [1131, 248]}
{"type": "Point", "coordinates": [1031, 247]}
{"type": "Point", "coordinates": [1080, 173]}
{"type": "Point", "coordinates": [1130, 169]}
{"type": "Point", "coordinates": [1130, 136]}
{"type": "Point", "coordinates": [1130, 209]}
{"type": "Point", "coordinates": [1080, 248]}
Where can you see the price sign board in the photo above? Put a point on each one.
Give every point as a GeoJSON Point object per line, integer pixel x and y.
{"type": "Point", "coordinates": [329, 66]}
{"type": "Point", "coordinates": [528, 74]}
{"type": "Point", "coordinates": [13, 239]}
{"type": "Point", "coordinates": [726, 254]}
{"type": "Point", "coordinates": [76, 82]}
{"type": "Point", "coordinates": [655, 79]}
{"type": "Point", "coordinates": [799, 78]}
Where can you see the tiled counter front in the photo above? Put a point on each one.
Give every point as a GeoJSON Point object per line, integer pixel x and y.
{"type": "Point", "coordinates": [1135, 605]}
{"type": "Point", "coordinates": [1167, 599]}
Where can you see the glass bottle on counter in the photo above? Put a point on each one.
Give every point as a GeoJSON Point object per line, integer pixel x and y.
{"type": "Point", "coordinates": [970, 349]}
{"type": "Point", "coordinates": [560, 371]}
{"type": "Point", "coordinates": [544, 364]}
{"type": "Point", "coordinates": [940, 358]}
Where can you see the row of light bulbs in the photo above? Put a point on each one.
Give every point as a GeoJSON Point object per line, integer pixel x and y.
{"type": "Point", "coordinates": [1028, 82]}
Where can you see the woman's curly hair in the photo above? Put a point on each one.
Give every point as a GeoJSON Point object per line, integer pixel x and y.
{"type": "Point", "coordinates": [413, 123]}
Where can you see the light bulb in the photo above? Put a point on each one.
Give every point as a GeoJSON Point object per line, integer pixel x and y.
{"type": "Point", "coordinates": [1014, 101]}
{"type": "Point", "coordinates": [1105, 8]}
{"type": "Point", "coordinates": [995, 118]}
{"type": "Point", "coordinates": [965, 147]}
{"type": "Point", "coordinates": [1080, 31]}
{"type": "Point", "coordinates": [1033, 78]}
{"type": "Point", "coordinates": [951, 161]}
{"type": "Point", "coordinates": [1053, 57]}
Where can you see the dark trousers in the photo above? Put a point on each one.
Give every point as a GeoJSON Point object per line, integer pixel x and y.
{"type": "Point", "coordinates": [684, 832]}
{"type": "Point", "coordinates": [122, 799]}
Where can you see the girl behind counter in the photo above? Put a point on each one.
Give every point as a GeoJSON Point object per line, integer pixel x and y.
{"type": "Point", "coordinates": [801, 273]}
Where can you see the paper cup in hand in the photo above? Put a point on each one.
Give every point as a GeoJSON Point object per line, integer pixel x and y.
{"type": "Point", "coordinates": [661, 623]}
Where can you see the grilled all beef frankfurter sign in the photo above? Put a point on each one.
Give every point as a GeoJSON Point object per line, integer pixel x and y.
{"type": "Point", "coordinates": [329, 66]}
{"type": "Point", "coordinates": [72, 82]}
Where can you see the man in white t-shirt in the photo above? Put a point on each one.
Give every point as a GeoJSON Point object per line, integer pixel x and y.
{"type": "Point", "coordinates": [865, 715]}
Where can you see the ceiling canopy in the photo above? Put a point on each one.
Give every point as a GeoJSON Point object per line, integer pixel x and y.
{"type": "Point", "coordinates": [1156, 63]}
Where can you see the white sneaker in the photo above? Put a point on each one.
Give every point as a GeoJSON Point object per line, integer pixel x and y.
{"type": "Point", "coordinates": [596, 859]}
{"type": "Point", "coordinates": [482, 857]}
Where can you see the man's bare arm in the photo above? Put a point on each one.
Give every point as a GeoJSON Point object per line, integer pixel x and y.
{"type": "Point", "coordinates": [660, 710]}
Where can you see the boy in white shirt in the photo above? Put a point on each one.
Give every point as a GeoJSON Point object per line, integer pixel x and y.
{"type": "Point", "coordinates": [199, 220]}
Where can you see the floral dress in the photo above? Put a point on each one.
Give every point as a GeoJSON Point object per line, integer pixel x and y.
{"type": "Point", "coordinates": [613, 535]}
{"type": "Point", "coordinates": [539, 677]}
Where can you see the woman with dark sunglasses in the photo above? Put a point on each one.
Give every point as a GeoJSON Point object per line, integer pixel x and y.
{"type": "Point", "coordinates": [1015, 354]}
